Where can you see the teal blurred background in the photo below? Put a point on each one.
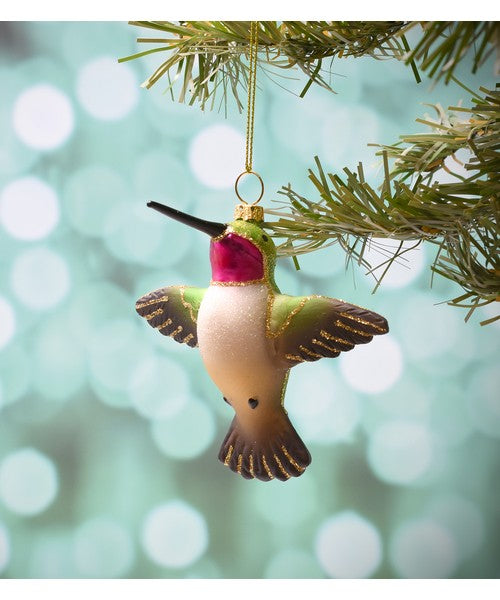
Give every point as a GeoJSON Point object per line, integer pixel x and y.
{"type": "Point", "coordinates": [109, 433]}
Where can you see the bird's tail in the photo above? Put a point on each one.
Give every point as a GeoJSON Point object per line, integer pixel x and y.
{"type": "Point", "coordinates": [274, 452]}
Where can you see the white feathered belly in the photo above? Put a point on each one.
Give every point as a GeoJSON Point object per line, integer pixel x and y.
{"type": "Point", "coordinates": [238, 355]}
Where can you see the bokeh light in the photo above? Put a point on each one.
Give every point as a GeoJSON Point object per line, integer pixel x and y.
{"type": "Point", "coordinates": [483, 400]}
{"type": "Point", "coordinates": [373, 368]}
{"type": "Point", "coordinates": [187, 433]}
{"type": "Point", "coordinates": [29, 208]}
{"type": "Point", "coordinates": [103, 548]}
{"type": "Point", "coordinates": [423, 549]}
{"type": "Point", "coordinates": [114, 350]}
{"type": "Point", "coordinates": [348, 546]}
{"type": "Point", "coordinates": [43, 117]}
{"type": "Point", "coordinates": [159, 387]}
{"type": "Point", "coordinates": [175, 534]}
{"type": "Point", "coordinates": [4, 547]}
{"type": "Point", "coordinates": [106, 89]}
{"type": "Point", "coordinates": [216, 156]}
{"type": "Point", "coordinates": [293, 563]}
{"type": "Point", "coordinates": [280, 506]}
{"type": "Point", "coordinates": [91, 195]}
{"type": "Point", "coordinates": [322, 408]}
{"type": "Point", "coordinates": [109, 431]}
{"type": "Point", "coordinates": [40, 278]}
{"type": "Point", "coordinates": [406, 269]}
{"type": "Point", "coordinates": [60, 361]}
{"type": "Point", "coordinates": [462, 519]}
{"type": "Point", "coordinates": [28, 481]}
{"type": "Point", "coordinates": [400, 451]}
{"type": "Point", "coordinates": [8, 321]}
{"type": "Point", "coordinates": [51, 555]}
{"type": "Point", "coordinates": [141, 235]}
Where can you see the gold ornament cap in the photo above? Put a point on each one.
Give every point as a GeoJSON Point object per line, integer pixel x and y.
{"type": "Point", "coordinates": [249, 212]}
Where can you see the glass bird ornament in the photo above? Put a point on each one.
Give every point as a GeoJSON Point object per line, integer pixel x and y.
{"type": "Point", "coordinates": [250, 336]}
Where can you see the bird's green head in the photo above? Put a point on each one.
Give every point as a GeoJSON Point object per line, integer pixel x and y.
{"type": "Point", "coordinates": [241, 252]}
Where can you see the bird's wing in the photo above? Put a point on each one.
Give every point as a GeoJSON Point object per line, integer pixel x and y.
{"type": "Point", "coordinates": [173, 311]}
{"type": "Point", "coordinates": [307, 328]}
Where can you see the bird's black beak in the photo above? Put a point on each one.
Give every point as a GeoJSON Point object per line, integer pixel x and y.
{"type": "Point", "coordinates": [213, 229]}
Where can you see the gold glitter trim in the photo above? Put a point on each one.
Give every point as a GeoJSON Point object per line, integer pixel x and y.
{"type": "Point", "coordinates": [329, 336]}
{"type": "Point", "coordinates": [310, 352]}
{"type": "Point", "coordinates": [238, 466]}
{"type": "Point", "coordinates": [164, 324]}
{"type": "Point", "coordinates": [292, 461]}
{"type": "Point", "coordinates": [154, 301]}
{"type": "Point", "coordinates": [221, 236]}
{"type": "Point", "coordinates": [186, 304]}
{"type": "Point", "coordinates": [266, 467]}
{"type": "Point", "coordinates": [289, 317]}
{"type": "Point", "coordinates": [155, 313]}
{"type": "Point", "coordinates": [250, 459]}
{"type": "Point", "coordinates": [237, 283]}
{"type": "Point", "coordinates": [339, 323]}
{"type": "Point", "coordinates": [228, 456]}
{"type": "Point", "coordinates": [283, 388]}
{"type": "Point", "coordinates": [363, 322]}
{"type": "Point", "coordinates": [281, 467]}
{"type": "Point", "coordinates": [323, 345]}
{"type": "Point", "coordinates": [249, 212]}
{"type": "Point", "coordinates": [175, 331]}
{"type": "Point", "coordinates": [295, 358]}
{"type": "Point", "coordinates": [188, 338]}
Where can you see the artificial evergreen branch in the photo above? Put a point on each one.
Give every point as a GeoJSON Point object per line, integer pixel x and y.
{"type": "Point", "coordinates": [445, 43]}
{"type": "Point", "coordinates": [459, 216]}
{"type": "Point", "coordinates": [206, 60]}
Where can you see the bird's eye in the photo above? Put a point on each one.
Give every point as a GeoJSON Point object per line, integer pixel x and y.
{"type": "Point", "coordinates": [264, 238]}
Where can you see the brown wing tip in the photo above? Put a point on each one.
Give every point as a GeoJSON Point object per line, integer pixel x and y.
{"type": "Point", "coordinates": [281, 456]}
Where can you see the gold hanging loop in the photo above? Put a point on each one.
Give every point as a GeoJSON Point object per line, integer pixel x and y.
{"type": "Point", "coordinates": [250, 211]}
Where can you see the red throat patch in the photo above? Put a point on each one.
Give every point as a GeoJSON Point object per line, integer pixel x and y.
{"type": "Point", "coordinates": [234, 258]}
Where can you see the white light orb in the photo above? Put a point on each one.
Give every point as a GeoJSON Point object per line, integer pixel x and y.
{"type": "Point", "coordinates": [216, 156]}
{"type": "Point", "coordinates": [4, 547]}
{"type": "Point", "coordinates": [29, 208]}
{"type": "Point", "coordinates": [103, 549]}
{"type": "Point", "coordinates": [281, 505]}
{"type": "Point", "coordinates": [324, 409]}
{"type": "Point", "coordinates": [7, 322]}
{"type": "Point", "coordinates": [483, 400]}
{"type": "Point", "coordinates": [174, 535]}
{"type": "Point", "coordinates": [463, 520]}
{"type": "Point", "coordinates": [348, 546]}
{"type": "Point", "coordinates": [404, 269]}
{"type": "Point", "coordinates": [43, 117]}
{"type": "Point", "coordinates": [149, 383]}
{"type": "Point", "coordinates": [113, 352]}
{"type": "Point", "coordinates": [28, 481]}
{"type": "Point", "coordinates": [400, 451]}
{"type": "Point", "coordinates": [423, 549]}
{"type": "Point", "coordinates": [375, 367]}
{"type": "Point", "coordinates": [40, 278]}
{"type": "Point", "coordinates": [106, 89]}
{"type": "Point", "coordinates": [293, 563]}
{"type": "Point", "coordinates": [187, 433]}
{"type": "Point", "coordinates": [351, 124]}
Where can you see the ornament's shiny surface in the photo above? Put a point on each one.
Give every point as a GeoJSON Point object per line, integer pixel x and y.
{"type": "Point", "coordinates": [250, 335]}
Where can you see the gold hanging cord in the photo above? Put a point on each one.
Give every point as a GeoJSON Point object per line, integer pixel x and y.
{"type": "Point", "coordinates": [250, 211]}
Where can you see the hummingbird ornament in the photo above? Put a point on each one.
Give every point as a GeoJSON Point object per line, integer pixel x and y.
{"type": "Point", "coordinates": [250, 336]}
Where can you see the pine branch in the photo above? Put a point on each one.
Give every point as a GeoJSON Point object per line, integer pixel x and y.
{"type": "Point", "coordinates": [445, 43]}
{"type": "Point", "coordinates": [460, 217]}
{"type": "Point", "coordinates": [202, 55]}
